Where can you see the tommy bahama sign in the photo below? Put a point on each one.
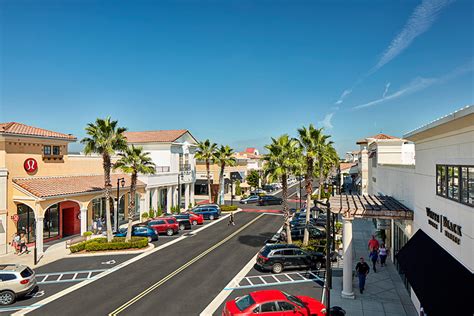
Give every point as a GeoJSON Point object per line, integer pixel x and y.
{"type": "Point", "coordinates": [30, 165]}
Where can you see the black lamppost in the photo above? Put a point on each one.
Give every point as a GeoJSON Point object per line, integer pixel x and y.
{"type": "Point", "coordinates": [180, 177]}
{"type": "Point", "coordinates": [328, 283]}
{"type": "Point", "coordinates": [120, 181]}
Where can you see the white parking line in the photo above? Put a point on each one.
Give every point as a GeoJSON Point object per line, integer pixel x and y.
{"type": "Point", "coordinates": [62, 274]}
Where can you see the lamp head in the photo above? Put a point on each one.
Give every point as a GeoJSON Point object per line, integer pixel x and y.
{"type": "Point", "coordinates": [122, 182]}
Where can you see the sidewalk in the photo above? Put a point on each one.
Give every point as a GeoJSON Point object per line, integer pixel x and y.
{"type": "Point", "coordinates": [384, 292]}
{"type": "Point", "coordinates": [52, 252]}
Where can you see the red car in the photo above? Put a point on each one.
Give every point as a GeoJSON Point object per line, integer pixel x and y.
{"type": "Point", "coordinates": [273, 303]}
{"type": "Point", "coordinates": [196, 219]}
{"type": "Point", "coordinates": [163, 225]}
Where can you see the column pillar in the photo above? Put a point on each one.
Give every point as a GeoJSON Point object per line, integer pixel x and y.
{"type": "Point", "coordinates": [169, 198]}
{"type": "Point", "coordinates": [347, 291]}
{"type": "Point", "coordinates": [154, 198]}
{"type": "Point", "coordinates": [39, 235]}
{"type": "Point", "coordinates": [142, 206]}
{"type": "Point", "coordinates": [146, 207]}
{"type": "Point", "coordinates": [186, 195]}
{"type": "Point", "coordinates": [192, 192]}
{"type": "Point", "coordinates": [83, 220]}
{"type": "Point", "coordinates": [175, 195]}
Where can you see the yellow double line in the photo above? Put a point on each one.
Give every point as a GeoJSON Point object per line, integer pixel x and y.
{"type": "Point", "coordinates": [175, 272]}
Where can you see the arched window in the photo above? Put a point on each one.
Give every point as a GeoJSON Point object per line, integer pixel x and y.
{"type": "Point", "coordinates": [26, 221]}
{"type": "Point", "coordinates": [51, 222]}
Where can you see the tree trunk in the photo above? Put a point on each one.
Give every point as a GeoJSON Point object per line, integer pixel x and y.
{"type": "Point", "coordinates": [321, 180]}
{"type": "Point", "coordinates": [131, 205]}
{"type": "Point", "coordinates": [208, 180]}
{"type": "Point", "coordinates": [309, 191]}
{"type": "Point", "coordinates": [107, 187]}
{"type": "Point", "coordinates": [286, 211]}
{"type": "Point", "coordinates": [221, 185]}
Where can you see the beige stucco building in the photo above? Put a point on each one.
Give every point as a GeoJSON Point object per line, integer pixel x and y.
{"type": "Point", "coordinates": [47, 193]}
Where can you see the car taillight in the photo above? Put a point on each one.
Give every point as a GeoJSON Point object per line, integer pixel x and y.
{"type": "Point", "coordinates": [24, 281]}
{"type": "Point", "coordinates": [265, 259]}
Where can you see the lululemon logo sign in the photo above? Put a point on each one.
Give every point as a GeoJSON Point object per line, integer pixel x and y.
{"type": "Point", "coordinates": [30, 165]}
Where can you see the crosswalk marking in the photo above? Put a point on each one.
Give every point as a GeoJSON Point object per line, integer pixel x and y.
{"type": "Point", "coordinates": [271, 279]}
{"type": "Point", "coordinates": [60, 277]}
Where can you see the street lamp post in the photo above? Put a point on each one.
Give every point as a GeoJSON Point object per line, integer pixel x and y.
{"type": "Point", "coordinates": [328, 283]}
{"type": "Point", "coordinates": [120, 181]}
{"type": "Point", "coordinates": [180, 176]}
{"type": "Point", "coordinates": [300, 191]}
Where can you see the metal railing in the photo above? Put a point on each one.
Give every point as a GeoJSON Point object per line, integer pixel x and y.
{"type": "Point", "coordinates": [159, 169]}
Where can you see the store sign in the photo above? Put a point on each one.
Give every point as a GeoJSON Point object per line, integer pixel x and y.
{"type": "Point", "coordinates": [30, 165]}
{"type": "Point", "coordinates": [15, 217]}
{"type": "Point", "coordinates": [443, 224]}
{"type": "Point", "coordinates": [383, 224]}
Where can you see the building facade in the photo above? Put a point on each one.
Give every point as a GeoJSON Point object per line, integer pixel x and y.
{"type": "Point", "coordinates": [47, 193]}
{"type": "Point", "coordinates": [172, 151]}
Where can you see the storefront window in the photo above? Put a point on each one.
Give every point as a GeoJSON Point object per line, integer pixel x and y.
{"type": "Point", "coordinates": [51, 222]}
{"type": "Point", "coordinates": [121, 211]}
{"type": "Point", "coordinates": [98, 208]}
{"type": "Point", "coordinates": [455, 183]}
{"type": "Point", "coordinates": [26, 221]}
{"type": "Point", "coordinates": [46, 150]}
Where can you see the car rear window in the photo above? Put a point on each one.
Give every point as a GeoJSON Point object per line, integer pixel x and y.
{"type": "Point", "coordinates": [26, 273]}
{"type": "Point", "coordinates": [171, 221]}
{"type": "Point", "coordinates": [244, 302]}
{"type": "Point", "coordinates": [265, 251]}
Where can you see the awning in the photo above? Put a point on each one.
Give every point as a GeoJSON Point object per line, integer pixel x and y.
{"type": "Point", "coordinates": [441, 283]}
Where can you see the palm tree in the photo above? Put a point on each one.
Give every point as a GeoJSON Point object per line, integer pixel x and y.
{"type": "Point", "coordinates": [328, 159]}
{"type": "Point", "coordinates": [135, 161]}
{"type": "Point", "coordinates": [207, 152]}
{"type": "Point", "coordinates": [282, 156]}
{"type": "Point", "coordinates": [105, 138]}
{"type": "Point", "coordinates": [224, 157]}
{"type": "Point", "coordinates": [314, 143]}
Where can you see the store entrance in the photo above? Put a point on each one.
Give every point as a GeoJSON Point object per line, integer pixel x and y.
{"type": "Point", "coordinates": [71, 224]}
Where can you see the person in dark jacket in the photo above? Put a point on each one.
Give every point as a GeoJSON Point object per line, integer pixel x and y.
{"type": "Point", "coordinates": [362, 269]}
{"type": "Point", "coordinates": [374, 256]}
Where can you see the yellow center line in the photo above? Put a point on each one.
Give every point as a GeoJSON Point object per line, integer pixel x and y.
{"type": "Point", "coordinates": [183, 267]}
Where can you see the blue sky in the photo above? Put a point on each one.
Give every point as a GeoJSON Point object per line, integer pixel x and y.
{"type": "Point", "coordinates": [237, 72]}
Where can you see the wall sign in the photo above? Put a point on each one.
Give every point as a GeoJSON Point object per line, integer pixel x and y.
{"type": "Point", "coordinates": [30, 165]}
{"type": "Point", "coordinates": [451, 230]}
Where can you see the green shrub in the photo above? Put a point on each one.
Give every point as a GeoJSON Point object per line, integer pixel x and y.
{"type": "Point", "coordinates": [313, 245]}
{"type": "Point", "coordinates": [152, 213]}
{"type": "Point", "coordinates": [87, 234]}
{"type": "Point", "coordinates": [338, 227]}
{"type": "Point", "coordinates": [238, 189]}
{"type": "Point", "coordinates": [101, 244]}
{"type": "Point", "coordinates": [144, 216]}
{"type": "Point", "coordinates": [228, 208]}
{"type": "Point", "coordinates": [159, 211]}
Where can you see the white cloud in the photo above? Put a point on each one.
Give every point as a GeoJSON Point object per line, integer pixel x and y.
{"type": "Point", "coordinates": [326, 122]}
{"type": "Point", "coordinates": [419, 22]}
{"type": "Point", "coordinates": [417, 85]}
{"type": "Point", "coordinates": [386, 90]}
{"type": "Point", "coordinates": [344, 94]}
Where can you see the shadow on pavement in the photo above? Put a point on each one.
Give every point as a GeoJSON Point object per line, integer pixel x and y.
{"type": "Point", "coordinates": [255, 240]}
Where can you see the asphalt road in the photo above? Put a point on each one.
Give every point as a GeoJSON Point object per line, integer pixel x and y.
{"type": "Point", "coordinates": [186, 292]}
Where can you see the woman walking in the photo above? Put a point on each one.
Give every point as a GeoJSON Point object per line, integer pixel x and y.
{"type": "Point", "coordinates": [23, 245]}
{"type": "Point", "coordinates": [383, 252]}
{"type": "Point", "coordinates": [374, 257]}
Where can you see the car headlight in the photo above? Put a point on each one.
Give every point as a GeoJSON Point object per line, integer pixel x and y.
{"type": "Point", "coordinates": [323, 311]}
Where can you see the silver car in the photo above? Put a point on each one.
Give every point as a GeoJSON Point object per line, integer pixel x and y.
{"type": "Point", "coordinates": [15, 281]}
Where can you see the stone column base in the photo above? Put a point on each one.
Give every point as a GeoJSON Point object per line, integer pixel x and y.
{"type": "Point", "coordinates": [347, 295]}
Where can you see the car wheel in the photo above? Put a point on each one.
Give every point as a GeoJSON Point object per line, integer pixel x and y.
{"type": "Point", "coordinates": [195, 223]}
{"type": "Point", "coordinates": [277, 268]}
{"type": "Point", "coordinates": [169, 232]}
{"type": "Point", "coordinates": [211, 217]}
{"type": "Point", "coordinates": [182, 227]}
{"type": "Point", "coordinates": [318, 265]}
{"type": "Point", "coordinates": [150, 239]}
{"type": "Point", "coordinates": [7, 297]}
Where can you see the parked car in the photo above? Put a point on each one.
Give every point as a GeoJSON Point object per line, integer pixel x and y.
{"type": "Point", "coordinates": [139, 231]}
{"type": "Point", "coordinates": [208, 211]}
{"type": "Point", "coordinates": [250, 199]}
{"type": "Point", "coordinates": [269, 200]}
{"type": "Point", "coordinates": [164, 225]}
{"type": "Point", "coordinates": [278, 257]}
{"type": "Point", "coordinates": [273, 302]}
{"type": "Point", "coordinates": [301, 221]}
{"type": "Point", "coordinates": [16, 281]}
{"type": "Point", "coordinates": [298, 233]}
{"type": "Point", "coordinates": [192, 218]}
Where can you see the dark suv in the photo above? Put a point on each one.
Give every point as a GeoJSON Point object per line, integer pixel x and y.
{"type": "Point", "coordinates": [277, 257]}
{"type": "Point", "coordinates": [208, 211]}
{"type": "Point", "coordinates": [269, 200]}
{"type": "Point", "coordinates": [297, 233]}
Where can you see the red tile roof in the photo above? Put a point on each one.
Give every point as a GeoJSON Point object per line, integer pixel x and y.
{"type": "Point", "coordinates": [15, 128]}
{"type": "Point", "coordinates": [383, 136]}
{"type": "Point", "coordinates": [347, 165]}
{"type": "Point", "coordinates": [162, 136]}
{"type": "Point", "coordinates": [250, 150]}
{"type": "Point", "coordinates": [43, 187]}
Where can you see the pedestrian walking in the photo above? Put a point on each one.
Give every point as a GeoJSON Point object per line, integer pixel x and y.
{"type": "Point", "coordinates": [16, 243]}
{"type": "Point", "coordinates": [23, 246]}
{"type": "Point", "coordinates": [231, 219]}
{"type": "Point", "coordinates": [383, 253]}
{"type": "Point", "coordinates": [373, 243]}
{"type": "Point", "coordinates": [362, 269]}
{"type": "Point", "coordinates": [374, 256]}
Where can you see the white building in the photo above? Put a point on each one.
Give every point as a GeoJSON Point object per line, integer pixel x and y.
{"type": "Point", "coordinates": [435, 252]}
{"type": "Point", "coordinates": [172, 152]}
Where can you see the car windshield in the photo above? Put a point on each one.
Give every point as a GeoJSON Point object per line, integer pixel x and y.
{"type": "Point", "coordinates": [265, 251]}
{"type": "Point", "coordinates": [244, 302]}
{"type": "Point", "coordinates": [294, 299]}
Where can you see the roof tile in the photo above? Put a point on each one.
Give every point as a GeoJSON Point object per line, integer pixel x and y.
{"type": "Point", "coordinates": [161, 136]}
{"type": "Point", "coordinates": [15, 128]}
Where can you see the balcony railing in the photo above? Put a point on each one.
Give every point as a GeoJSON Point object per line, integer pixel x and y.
{"type": "Point", "coordinates": [184, 167]}
{"type": "Point", "coordinates": [159, 169]}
